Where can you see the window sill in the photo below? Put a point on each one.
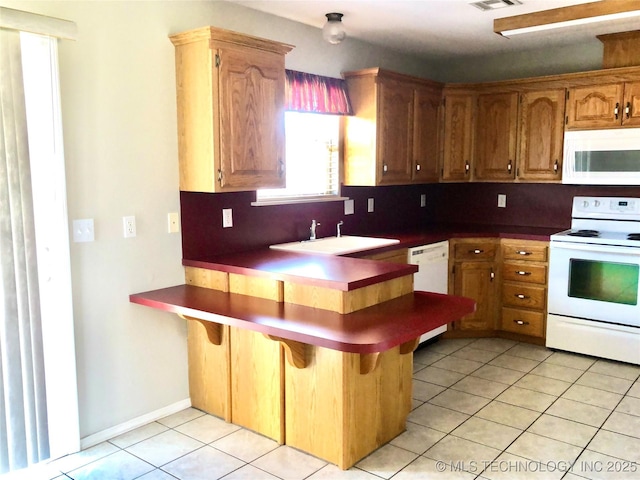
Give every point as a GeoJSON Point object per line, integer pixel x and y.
{"type": "Point", "coordinates": [297, 200]}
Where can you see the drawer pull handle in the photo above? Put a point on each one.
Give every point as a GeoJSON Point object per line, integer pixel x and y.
{"type": "Point", "coordinates": [523, 252]}
{"type": "Point", "coordinates": [521, 322]}
{"type": "Point", "coordinates": [477, 251]}
{"type": "Point", "coordinates": [616, 110]}
{"type": "Point", "coordinates": [520, 296]}
{"type": "Point", "coordinates": [524, 274]}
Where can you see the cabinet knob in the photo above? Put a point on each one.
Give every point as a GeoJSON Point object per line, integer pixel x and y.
{"type": "Point", "coordinates": [556, 167]}
{"type": "Point", "coordinates": [220, 176]}
{"type": "Point", "coordinates": [477, 251]}
{"type": "Point", "coordinates": [384, 168]}
{"type": "Point", "coordinates": [467, 167]}
{"type": "Point", "coordinates": [510, 166]}
{"type": "Point", "coordinates": [520, 296]}
{"type": "Point", "coordinates": [627, 109]}
{"type": "Point", "coordinates": [616, 110]}
{"type": "Point", "coordinates": [417, 167]}
{"type": "Point", "coordinates": [523, 252]}
{"type": "Point", "coordinates": [280, 168]}
{"type": "Point", "coordinates": [524, 274]}
{"type": "Point", "coordinates": [521, 322]}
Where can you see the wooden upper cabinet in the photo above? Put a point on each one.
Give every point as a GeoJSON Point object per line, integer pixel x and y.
{"type": "Point", "coordinates": [495, 140]}
{"type": "Point", "coordinates": [603, 106]}
{"type": "Point", "coordinates": [392, 138]}
{"type": "Point", "coordinates": [631, 102]}
{"type": "Point", "coordinates": [230, 94]}
{"type": "Point", "coordinates": [395, 133]}
{"type": "Point", "coordinates": [541, 134]}
{"type": "Point", "coordinates": [458, 137]}
{"type": "Point", "coordinates": [427, 106]}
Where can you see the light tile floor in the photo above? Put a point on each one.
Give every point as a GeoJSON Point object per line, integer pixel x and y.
{"type": "Point", "coordinates": [482, 408]}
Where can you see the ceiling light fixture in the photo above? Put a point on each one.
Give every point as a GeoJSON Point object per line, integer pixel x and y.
{"type": "Point", "coordinates": [574, 15]}
{"type": "Point", "coordinates": [333, 31]}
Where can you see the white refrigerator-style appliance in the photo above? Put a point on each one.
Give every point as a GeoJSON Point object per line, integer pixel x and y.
{"type": "Point", "coordinates": [432, 274]}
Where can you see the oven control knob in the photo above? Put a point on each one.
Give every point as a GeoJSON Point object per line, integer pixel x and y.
{"type": "Point", "coordinates": [585, 204]}
{"type": "Point", "coordinates": [596, 203]}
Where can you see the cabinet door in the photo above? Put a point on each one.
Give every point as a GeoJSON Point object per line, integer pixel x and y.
{"type": "Point", "coordinates": [594, 106]}
{"type": "Point", "coordinates": [425, 134]}
{"type": "Point", "coordinates": [395, 133]}
{"type": "Point", "coordinates": [458, 123]}
{"type": "Point", "coordinates": [495, 152]}
{"type": "Point", "coordinates": [476, 280]}
{"type": "Point", "coordinates": [251, 98]}
{"type": "Point", "coordinates": [631, 110]}
{"type": "Point", "coordinates": [541, 135]}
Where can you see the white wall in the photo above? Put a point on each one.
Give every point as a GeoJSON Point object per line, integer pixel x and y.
{"type": "Point", "coordinates": [119, 116]}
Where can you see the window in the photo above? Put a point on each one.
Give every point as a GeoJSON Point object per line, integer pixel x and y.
{"type": "Point", "coordinates": [312, 155]}
{"type": "Point", "coordinates": [312, 129]}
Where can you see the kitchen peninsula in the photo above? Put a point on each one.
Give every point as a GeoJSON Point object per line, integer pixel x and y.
{"type": "Point", "coordinates": [313, 351]}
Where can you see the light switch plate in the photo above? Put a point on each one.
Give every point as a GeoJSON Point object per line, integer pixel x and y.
{"type": "Point", "coordinates": [227, 218]}
{"type": "Point", "coordinates": [83, 230]}
{"type": "Point", "coordinates": [173, 225]}
{"type": "Point", "coordinates": [348, 207]}
{"type": "Point", "coordinates": [502, 200]}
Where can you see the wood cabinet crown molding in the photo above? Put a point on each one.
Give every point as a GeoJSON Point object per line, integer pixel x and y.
{"type": "Point", "coordinates": [231, 37]}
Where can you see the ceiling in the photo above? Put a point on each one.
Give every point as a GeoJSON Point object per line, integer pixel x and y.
{"type": "Point", "coordinates": [437, 29]}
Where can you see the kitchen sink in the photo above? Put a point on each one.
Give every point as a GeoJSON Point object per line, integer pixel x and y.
{"type": "Point", "coordinates": [336, 245]}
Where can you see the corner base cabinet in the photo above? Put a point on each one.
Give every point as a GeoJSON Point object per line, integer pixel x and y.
{"type": "Point", "coordinates": [230, 101]}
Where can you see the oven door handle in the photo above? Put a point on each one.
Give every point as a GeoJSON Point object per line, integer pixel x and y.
{"type": "Point", "coordinates": [597, 248]}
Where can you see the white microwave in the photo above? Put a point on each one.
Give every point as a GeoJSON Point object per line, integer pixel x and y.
{"type": "Point", "coordinates": [602, 157]}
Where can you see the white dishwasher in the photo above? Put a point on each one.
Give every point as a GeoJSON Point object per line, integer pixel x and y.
{"type": "Point", "coordinates": [432, 274]}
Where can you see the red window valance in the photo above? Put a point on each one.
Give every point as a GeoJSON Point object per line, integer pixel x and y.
{"type": "Point", "coordinates": [307, 92]}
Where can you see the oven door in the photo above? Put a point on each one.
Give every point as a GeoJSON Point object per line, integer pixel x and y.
{"type": "Point", "coordinates": [595, 282]}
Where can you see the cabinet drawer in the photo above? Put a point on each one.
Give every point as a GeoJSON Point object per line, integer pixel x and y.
{"type": "Point", "coordinates": [523, 321]}
{"type": "Point", "coordinates": [523, 272]}
{"type": "Point", "coordinates": [524, 252]}
{"type": "Point", "coordinates": [525, 296]}
{"type": "Point", "coordinates": [475, 251]}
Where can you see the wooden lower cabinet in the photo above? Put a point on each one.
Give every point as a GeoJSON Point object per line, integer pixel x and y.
{"type": "Point", "coordinates": [524, 288]}
{"type": "Point", "coordinates": [473, 275]}
{"type": "Point", "coordinates": [508, 280]}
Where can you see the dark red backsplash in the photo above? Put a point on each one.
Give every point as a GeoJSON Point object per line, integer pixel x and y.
{"type": "Point", "coordinates": [395, 209]}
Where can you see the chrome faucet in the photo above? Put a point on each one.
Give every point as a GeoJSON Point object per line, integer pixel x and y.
{"type": "Point", "coordinates": [314, 224]}
{"type": "Point", "coordinates": [338, 234]}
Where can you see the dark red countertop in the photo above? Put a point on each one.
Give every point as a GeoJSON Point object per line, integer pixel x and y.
{"type": "Point", "coordinates": [348, 272]}
{"type": "Point", "coordinates": [330, 271]}
{"type": "Point", "coordinates": [373, 329]}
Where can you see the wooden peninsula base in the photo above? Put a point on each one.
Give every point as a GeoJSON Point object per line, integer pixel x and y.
{"type": "Point", "coordinates": [337, 386]}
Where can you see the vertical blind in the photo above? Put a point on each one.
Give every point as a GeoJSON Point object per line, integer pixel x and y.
{"type": "Point", "coordinates": [306, 92]}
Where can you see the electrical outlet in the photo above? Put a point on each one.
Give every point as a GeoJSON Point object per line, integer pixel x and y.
{"type": "Point", "coordinates": [173, 222]}
{"type": "Point", "coordinates": [370, 205]}
{"type": "Point", "coordinates": [227, 218]}
{"type": "Point", "coordinates": [129, 226]}
{"type": "Point", "coordinates": [83, 230]}
{"type": "Point", "coordinates": [502, 200]}
{"type": "Point", "coordinates": [423, 199]}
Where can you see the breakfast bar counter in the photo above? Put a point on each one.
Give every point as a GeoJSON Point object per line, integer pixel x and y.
{"type": "Point", "coordinates": [314, 351]}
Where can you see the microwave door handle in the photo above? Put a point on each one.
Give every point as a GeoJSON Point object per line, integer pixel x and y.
{"type": "Point", "coordinates": [585, 247]}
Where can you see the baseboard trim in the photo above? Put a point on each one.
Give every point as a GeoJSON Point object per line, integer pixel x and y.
{"type": "Point", "coordinates": [104, 435]}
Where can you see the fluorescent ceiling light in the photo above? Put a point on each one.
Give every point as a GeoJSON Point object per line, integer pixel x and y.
{"type": "Point", "coordinates": [575, 15]}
